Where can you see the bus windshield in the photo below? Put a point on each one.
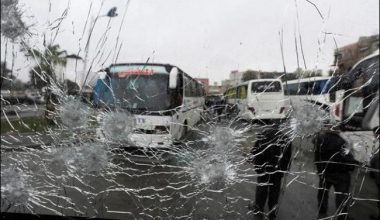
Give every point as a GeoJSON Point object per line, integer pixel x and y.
{"type": "Point", "coordinates": [140, 93]}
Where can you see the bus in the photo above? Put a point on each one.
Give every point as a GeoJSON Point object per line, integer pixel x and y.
{"type": "Point", "coordinates": [314, 90]}
{"type": "Point", "coordinates": [163, 99]}
{"type": "Point", "coordinates": [357, 109]}
{"type": "Point", "coordinates": [258, 99]}
{"type": "Point", "coordinates": [356, 92]}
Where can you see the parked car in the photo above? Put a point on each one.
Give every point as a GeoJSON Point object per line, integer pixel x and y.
{"type": "Point", "coordinates": [36, 98]}
{"type": "Point", "coordinates": [214, 100]}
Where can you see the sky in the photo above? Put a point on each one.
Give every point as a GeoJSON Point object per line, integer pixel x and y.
{"type": "Point", "coordinates": [205, 38]}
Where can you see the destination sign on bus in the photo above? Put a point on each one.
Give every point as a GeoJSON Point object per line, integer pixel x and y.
{"type": "Point", "coordinates": [127, 70]}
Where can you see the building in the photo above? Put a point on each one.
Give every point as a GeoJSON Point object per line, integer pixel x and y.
{"type": "Point", "coordinates": [205, 82]}
{"type": "Point", "coordinates": [235, 77]}
{"type": "Point", "coordinates": [346, 57]}
{"type": "Point", "coordinates": [73, 70]}
{"type": "Point", "coordinates": [225, 85]}
{"type": "Point", "coordinates": [215, 89]}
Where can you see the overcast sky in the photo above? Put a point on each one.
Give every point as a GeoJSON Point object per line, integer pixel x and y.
{"type": "Point", "coordinates": [205, 38]}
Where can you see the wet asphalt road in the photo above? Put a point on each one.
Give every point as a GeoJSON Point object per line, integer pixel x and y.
{"type": "Point", "coordinates": [141, 188]}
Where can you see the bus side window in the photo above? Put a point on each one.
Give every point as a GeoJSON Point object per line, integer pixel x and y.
{"type": "Point", "coordinates": [293, 88]}
{"type": "Point", "coordinates": [234, 93]}
{"type": "Point", "coordinates": [193, 88]}
{"type": "Point", "coordinates": [317, 87]}
{"type": "Point", "coordinates": [187, 86]}
{"type": "Point", "coordinates": [303, 89]}
{"type": "Point", "coordinates": [243, 92]}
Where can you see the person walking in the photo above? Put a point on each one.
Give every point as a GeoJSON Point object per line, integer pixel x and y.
{"type": "Point", "coordinates": [334, 166]}
{"type": "Point", "coordinates": [271, 158]}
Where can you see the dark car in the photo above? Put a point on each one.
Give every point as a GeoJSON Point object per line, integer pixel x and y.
{"type": "Point", "coordinates": [215, 104]}
{"type": "Point", "coordinates": [216, 100]}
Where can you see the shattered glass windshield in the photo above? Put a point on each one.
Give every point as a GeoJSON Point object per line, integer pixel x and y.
{"type": "Point", "coordinates": [142, 109]}
{"type": "Point", "coordinates": [150, 93]}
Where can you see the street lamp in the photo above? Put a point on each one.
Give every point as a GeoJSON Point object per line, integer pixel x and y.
{"type": "Point", "coordinates": [111, 14]}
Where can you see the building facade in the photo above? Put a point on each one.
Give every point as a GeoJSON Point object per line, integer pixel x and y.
{"type": "Point", "coordinates": [235, 77]}
{"type": "Point", "coordinates": [205, 83]}
{"type": "Point", "coordinates": [345, 57]}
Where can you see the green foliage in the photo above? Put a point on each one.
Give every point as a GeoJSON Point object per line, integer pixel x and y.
{"type": "Point", "coordinates": [27, 124]}
{"type": "Point", "coordinates": [12, 26]}
{"type": "Point", "coordinates": [250, 74]}
{"type": "Point", "coordinates": [289, 76]}
{"type": "Point", "coordinates": [43, 74]}
{"type": "Point", "coordinates": [300, 73]}
{"type": "Point", "coordinates": [71, 87]}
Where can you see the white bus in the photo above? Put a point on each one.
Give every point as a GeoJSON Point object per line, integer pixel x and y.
{"type": "Point", "coordinates": [259, 99]}
{"type": "Point", "coordinates": [355, 92]}
{"type": "Point", "coordinates": [357, 110]}
{"type": "Point", "coordinates": [164, 100]}
{"type": "Point", "coordinates": [314, 90]}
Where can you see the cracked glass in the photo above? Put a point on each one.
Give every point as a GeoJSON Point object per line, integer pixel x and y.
{"type": "Point", "coordinates": [190, 109]}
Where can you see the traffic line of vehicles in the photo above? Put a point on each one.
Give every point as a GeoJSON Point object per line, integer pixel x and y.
{"type": "Point", "coordinates": [165, 101]}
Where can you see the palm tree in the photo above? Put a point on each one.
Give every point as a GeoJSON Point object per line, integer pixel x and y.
{"type": "Point", "coordinates": [43, 74]}
{"type": "Point", "coordinates": [47, 61]}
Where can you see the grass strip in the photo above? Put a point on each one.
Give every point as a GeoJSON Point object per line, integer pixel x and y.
{"type": "Point", "coordinates": [25, 124]}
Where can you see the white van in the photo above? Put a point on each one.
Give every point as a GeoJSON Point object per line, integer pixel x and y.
{"type": "Point", "coordinates": [259, 99]}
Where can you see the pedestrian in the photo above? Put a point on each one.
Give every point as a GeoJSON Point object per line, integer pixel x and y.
{"type": "Point", "coordinates": [334, 166]}
{"type": "Point", "coordinates": [271, 158]}
{"type": "Point", "coordinates": [220, 107]}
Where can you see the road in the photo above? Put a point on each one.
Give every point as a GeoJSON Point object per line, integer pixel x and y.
{"type": "Point", "coordinates": [194, 182]}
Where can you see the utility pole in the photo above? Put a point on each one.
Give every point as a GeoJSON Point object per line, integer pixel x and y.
{"type": "Point", "coordinates": [111, 13]}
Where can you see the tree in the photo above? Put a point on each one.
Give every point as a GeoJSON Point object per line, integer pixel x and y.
{"type": "Point", "coordinates": [289, 76]}
{"type": "Point", "coordinates": [12, 25]}
{"type": "Point", "coordinates": [301, 73]}
{"type": "Point", "coordinates": [268, 75]}
{"type": "Point", "coordinates": [18, 85]}
{"type": "Point", "coordinates": [43, 74]}
{"type": "Point", "coordinates": [71, 87]}
{"type": "Point", "coordinates": [37, 79]}
{"type": "Point", "coordinates": [250, 74]}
